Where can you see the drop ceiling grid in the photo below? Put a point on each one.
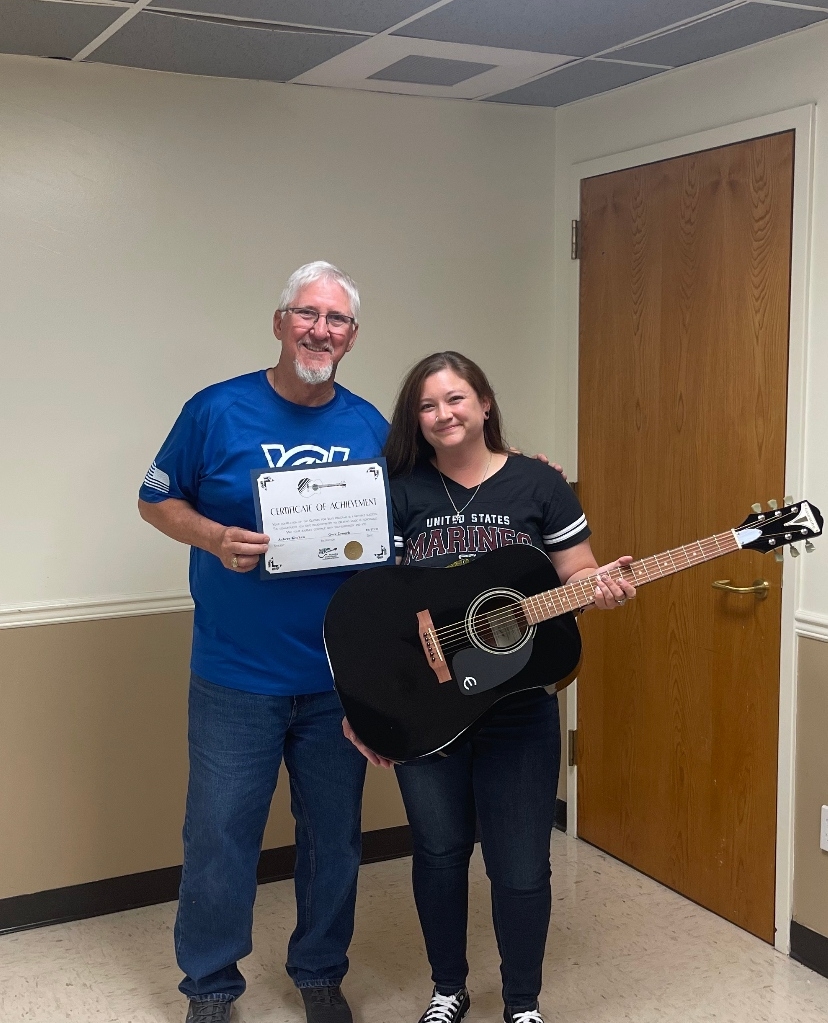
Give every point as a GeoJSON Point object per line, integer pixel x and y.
{"type": "Point", "coordinates": [465, 49]}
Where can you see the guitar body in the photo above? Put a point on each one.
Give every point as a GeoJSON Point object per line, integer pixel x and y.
{"type": "Point", "coordinates": [391, 695]}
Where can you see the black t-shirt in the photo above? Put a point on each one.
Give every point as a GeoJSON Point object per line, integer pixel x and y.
{"type": "Point", "coordinates": [526, 501]}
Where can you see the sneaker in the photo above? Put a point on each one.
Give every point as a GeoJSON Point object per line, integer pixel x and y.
{"type": "Point", "coordinates": [446, 1008]}
{"type": "Point", "coordinates": [522, 1015]}
{"type": "Point", "coordinates": [209, 1011]}
{"type": "Point", "coordinates": [325, 1005]}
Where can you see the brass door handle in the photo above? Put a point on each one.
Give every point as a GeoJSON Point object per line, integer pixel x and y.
{"type": "Point", "coordinates": [759, 589]}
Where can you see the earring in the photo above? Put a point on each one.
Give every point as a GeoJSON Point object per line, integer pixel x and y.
{"type": "Point", "coordinates": [486, 414]}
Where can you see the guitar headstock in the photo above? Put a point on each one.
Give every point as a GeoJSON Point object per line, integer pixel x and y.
{"type": "Point", "coordinates": [778, 527]}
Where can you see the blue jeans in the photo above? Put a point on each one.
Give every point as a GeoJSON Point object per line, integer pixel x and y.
{"type": "Point", "coordinates": [237, 742]}
{"type": "Point", "coordinates": [505, 776]}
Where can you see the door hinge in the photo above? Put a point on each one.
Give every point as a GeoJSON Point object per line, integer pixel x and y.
{"type": "Point", "coordinates": [572, 747]}
{"type": "Point", "coordinates": [575, 242]}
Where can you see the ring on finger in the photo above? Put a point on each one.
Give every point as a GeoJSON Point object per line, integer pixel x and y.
{"type": "Point", "coordinates": [235, 562]}
{"type": "Point", "coordinates": [623, 600]}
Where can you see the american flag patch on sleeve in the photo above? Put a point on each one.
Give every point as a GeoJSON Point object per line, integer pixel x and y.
{"type": "Point", "coordinates": [157, 479]}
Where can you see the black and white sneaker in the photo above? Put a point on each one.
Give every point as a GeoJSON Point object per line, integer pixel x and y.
{"type": "Point", "coordinates": [522, 1015]}
{"type": "Point", "coordinates": [446, 1008]}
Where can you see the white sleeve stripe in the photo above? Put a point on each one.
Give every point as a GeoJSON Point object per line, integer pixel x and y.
{"type": "Point", "coordinates": [564, 534]}
{"type": "Point", "coordinates": [156, 486]}
{"type": "Point", "coordinates": [158, 479]}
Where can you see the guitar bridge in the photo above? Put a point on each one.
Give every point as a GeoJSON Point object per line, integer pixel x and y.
{"type": "Point", "coordinates": [431, 647]}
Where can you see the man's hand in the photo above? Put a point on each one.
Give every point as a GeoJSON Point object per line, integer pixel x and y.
{"type": "Point", "coordinates": [542, 458]}
{"type": "Point", "coordinates": [239, 549]}
{"type": "Point", "coordinates": [236, 548]}
{"type": "Point", "coordinates": [369, 754]}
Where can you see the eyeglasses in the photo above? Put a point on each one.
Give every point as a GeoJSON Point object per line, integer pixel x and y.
{"type": "Point", "coordinates": [336, 322]}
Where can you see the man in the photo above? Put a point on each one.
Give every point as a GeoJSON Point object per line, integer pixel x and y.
{"type": "Point", "coordinates": [261, 690]}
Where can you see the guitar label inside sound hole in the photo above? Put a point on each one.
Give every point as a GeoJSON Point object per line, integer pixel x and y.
{"type": "Point", "coordinates": [496, 622]}
{"type": "Point", "coordinates": [502, 629]}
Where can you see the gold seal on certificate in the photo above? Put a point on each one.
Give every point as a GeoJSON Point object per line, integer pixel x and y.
{"type": "Point", "coordinates": [324, 516]}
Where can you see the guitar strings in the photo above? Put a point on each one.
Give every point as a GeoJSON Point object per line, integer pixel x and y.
{"type": "Point", "coordinates": [451, 633]}
{"type": "Point", "coordinates": [506, 613]}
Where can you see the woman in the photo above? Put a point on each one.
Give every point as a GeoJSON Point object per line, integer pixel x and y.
{"type": "Point", "coordinates": [450, 468]}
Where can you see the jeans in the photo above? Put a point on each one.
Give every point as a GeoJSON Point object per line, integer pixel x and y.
{"type": "Point", "coordinates": [505, 775]}
{"type": "Point", "coordinates": [237, 742]}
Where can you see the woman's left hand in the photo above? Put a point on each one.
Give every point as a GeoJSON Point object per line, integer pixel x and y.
{"type": "Point", "coordinates": [611, 593]}
{"type": "Point", "coordinates": [369, 754]}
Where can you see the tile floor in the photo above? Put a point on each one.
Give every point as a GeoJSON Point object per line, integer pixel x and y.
{"type": "Point", "coordinates": [621, 948]}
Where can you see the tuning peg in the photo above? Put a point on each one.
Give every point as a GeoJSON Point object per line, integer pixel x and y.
{"type": "Point", "coordinates": [773, 504]}
{"type": "Point", "coordinates": [794, 551]}
{"type": "Point", "coordinates": [756, 507]}
{"type": "Point", "coordinates": [787, 500]}
{"type": "Point", "coordinates": [779, 554]}
{"type": "Point", "coordinates": [809, 547]}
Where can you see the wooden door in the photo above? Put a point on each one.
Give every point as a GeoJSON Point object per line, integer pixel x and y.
{"type": "Point", "coordinates": [684, 296]}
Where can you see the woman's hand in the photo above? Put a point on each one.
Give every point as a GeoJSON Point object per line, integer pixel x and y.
{"type": "Point", "coordinates": [369, 754]}
{"type": "Point", "coordinates": [239, 549]}
{"type": "Point", "coordinates": [611, 593]}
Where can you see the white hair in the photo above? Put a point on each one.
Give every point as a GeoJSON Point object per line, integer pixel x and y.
{"type": "Point", "coordinates": [319, 271]}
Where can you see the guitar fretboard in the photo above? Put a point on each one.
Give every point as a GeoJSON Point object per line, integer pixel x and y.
{"type": "Point", "coordinates": [581, 593]}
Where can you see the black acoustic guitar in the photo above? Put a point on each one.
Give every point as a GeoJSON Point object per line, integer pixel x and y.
{"type": "Point", "coordinates": [420, 654]}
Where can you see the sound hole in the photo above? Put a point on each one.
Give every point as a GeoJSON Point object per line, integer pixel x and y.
{"type": "Point", "coordinates": [498, 623]}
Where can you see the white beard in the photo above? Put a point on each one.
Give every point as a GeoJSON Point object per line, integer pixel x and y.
{"type": "Point", "coordinates": [313, 374]}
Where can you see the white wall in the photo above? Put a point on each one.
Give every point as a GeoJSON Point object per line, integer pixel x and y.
{"type": "Point", "coordinates": [778, 75]}
{"type": "Point", "coordinates": [148, 223]}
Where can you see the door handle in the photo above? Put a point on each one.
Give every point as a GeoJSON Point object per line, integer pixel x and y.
{"type": "Point", "coordinates": [759, 588]}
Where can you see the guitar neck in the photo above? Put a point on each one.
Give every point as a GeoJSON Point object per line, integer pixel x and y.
{"type": "Point", "coordinates": [579, 594]}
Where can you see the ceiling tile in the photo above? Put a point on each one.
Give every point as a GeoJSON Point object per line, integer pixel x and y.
{"type": "Point", "coordinates": [357, 15]}
{"type": "Point", "coordinates": [51, 30]}
{"type": "Point", "coordinates": [163, 42]}
{"type": "Point", "coordinates": [729, 30]}
{"type": "Point", "coordinates": [579, 27]}
{"type": "Point", "coordinates": [575, 81]}
{"type": "Point", "coordinates": [431, 71]}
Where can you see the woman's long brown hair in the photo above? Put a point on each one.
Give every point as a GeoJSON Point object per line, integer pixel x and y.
{"type": "Point", "coordinates": [406, 444]}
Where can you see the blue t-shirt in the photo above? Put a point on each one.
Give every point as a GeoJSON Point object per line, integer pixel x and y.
{"type": "Point", "coordinates": [259, 635]}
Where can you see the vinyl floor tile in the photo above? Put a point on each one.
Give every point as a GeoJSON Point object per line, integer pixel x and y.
{"type": "Point", "coordinates": [621, 948]}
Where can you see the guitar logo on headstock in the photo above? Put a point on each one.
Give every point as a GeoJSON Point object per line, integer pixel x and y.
{"type": "Point", "coordinates": [778, 527]}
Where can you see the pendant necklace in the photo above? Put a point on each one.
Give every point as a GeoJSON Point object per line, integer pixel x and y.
{"type": "Point", "coordinates": [459, 511]}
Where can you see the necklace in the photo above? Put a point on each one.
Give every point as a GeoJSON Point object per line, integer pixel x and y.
{"type": "Point", "coordinates": [458, 511]}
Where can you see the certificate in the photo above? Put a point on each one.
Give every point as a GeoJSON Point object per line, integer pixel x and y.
{"type": "Point", "coordinates": [324, 517]}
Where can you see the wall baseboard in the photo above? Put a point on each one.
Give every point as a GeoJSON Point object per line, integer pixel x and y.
{"type": "Point", "coordinates": [150, 887]}
{"type": "Point", "coordinates": [809, 948]}
{"type": "Point", "coordinates": [116, 894]}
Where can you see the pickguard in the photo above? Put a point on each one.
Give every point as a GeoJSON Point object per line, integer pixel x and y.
{"type": "Point", "coordinates": [476, 671]}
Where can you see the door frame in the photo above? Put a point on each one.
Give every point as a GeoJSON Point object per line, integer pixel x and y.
{"type": "Point", "coordinates": [795, 622]}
